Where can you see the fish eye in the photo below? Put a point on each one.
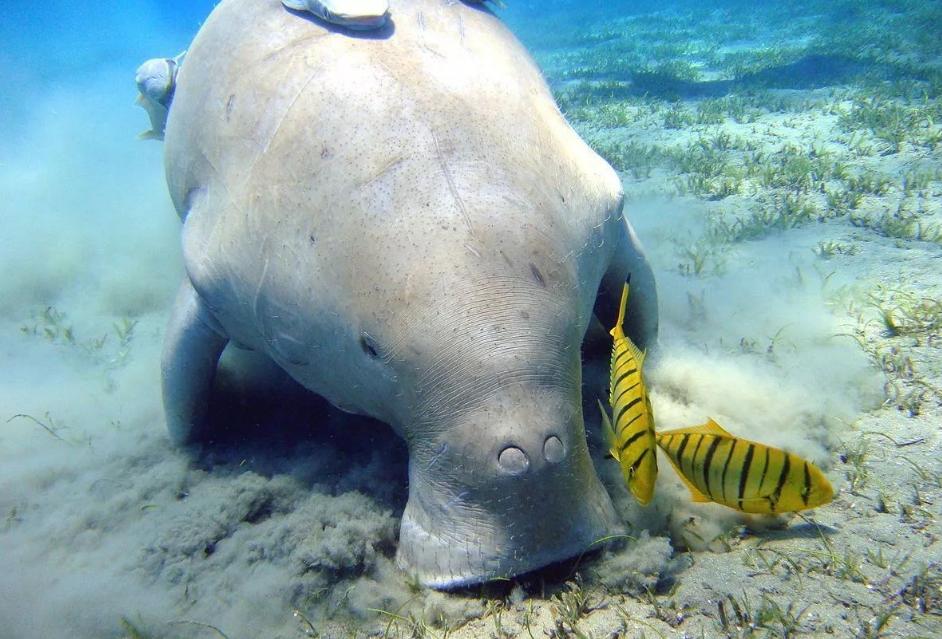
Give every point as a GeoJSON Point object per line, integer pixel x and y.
{"type": "Point", "coordinates": [369, 346]}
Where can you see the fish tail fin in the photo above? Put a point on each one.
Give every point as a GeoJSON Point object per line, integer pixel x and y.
{"type": "Point", "coordinates": [636, 352]}
{"type": "Point", "coordinates": [150, 135]}
{"type": "Point", "coordinates": [710, 428]}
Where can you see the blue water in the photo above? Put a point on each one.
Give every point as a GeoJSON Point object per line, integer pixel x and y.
{"type": "Point", "coordinates": [53, 43]}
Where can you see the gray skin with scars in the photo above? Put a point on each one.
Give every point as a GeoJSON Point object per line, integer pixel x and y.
{"type": "Point", "coordinates": [407, 226]}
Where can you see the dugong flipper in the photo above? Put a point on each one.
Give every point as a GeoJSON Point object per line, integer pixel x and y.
{"type": "Point", "coordinates": [408, 227]}
{"type": "Point", "coordinates": [194, 342]}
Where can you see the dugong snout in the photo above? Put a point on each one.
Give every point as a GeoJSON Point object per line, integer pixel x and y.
{"type": "Point", "coordinates": [507, 489]}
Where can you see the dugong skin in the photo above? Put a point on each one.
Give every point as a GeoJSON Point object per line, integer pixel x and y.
{"type": "Point", "coordinates": [406, 224]}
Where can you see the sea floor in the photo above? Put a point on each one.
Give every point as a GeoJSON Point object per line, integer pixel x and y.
{"type": "Point", "coordinates": [783, 166]}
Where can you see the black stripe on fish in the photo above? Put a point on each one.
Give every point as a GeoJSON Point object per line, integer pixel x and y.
{"type": "Point", "coordinates": [781, 482]}
{"type": "Point", "coordinates": [765, 470]}
{"type": "Point", "coordinates": [745, 473]}
{"type": "Point", "coordinates": [623, 376]}
{"type": "Point", "coordinates": [631, 421]}
{"type": "Point", "coordinates": [624, 408]}
{"type": "Point", "coordinates": [706, 465]}
{"type": "Point", "coordinates": [806, 493]}
{"type": "Point", "coordinates": [637, 462]}
{"type": "Point", "coordinates": [725, 468]}
{"type": "Point", "coordinates": [693, 457]}
{"type": "Point", "coordinates": [635, 385]}
{"type": "Point", "coordinates": [631, 361]}
{"type": "Point", "coordinates": [619, 356]}
{"type": "Point", "coordinates": [630, 441]}
{"type": "Point", "coordinates": [669, 445]}
{"type": "Point", "coordinates": [680, 450]}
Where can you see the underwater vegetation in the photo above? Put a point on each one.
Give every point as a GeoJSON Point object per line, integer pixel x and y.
{"type": "Point", "coordinates": [53, 325]}
{"type": "Point", "coordinates": [740, 124]}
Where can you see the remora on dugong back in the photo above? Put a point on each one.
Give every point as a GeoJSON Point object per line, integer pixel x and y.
{"type": "Point", "coordinates": [408, 226]}
{"type": "Point", "coordinates": [353, 14]}
{"type": "Point", "coordinates": [156, 80]}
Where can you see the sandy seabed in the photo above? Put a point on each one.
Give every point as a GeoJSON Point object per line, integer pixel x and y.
{"type": "Point", "coordinates": [801, 306]}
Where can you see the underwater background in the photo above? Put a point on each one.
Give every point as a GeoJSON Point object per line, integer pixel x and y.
{"type": "Point", "coordinates": [782, 163]}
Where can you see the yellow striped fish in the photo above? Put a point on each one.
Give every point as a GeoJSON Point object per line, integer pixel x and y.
{"type": "Point", "coordinates": [742, 474]}
{"type": "Point", "coordinates": [631, 441]}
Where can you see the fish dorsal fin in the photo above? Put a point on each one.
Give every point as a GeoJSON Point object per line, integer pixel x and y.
{"type": "Point", "coordinates": [710, 428]}
{"type": "Point", "coordinates": [297, 5]}
{"type": "Point", "coordinates": [695, 494]}
{"type": "Point", "coordinates": [636, 352]}
{"type": "Point", "coordinates": [608, 431]}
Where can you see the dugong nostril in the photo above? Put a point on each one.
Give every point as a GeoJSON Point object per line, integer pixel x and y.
{"type": "Point", "coordinates": [553, 449]}
{"type": "Point", "coordinates": [513, 460]}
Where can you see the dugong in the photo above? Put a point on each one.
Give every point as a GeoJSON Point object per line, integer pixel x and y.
{"type": "Point", "coordinates": [407, 225]}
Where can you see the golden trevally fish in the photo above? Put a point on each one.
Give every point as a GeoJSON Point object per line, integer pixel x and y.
{"type": "Point", "coordinates": [631, 440]}
{"type": "Point", "coordinates": [743, 474]}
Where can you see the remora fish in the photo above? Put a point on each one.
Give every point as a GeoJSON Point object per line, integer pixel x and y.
{"type": "Point", "coordinates": [359, 15]}
{"type": "Point", "coordinates": [631, 441]}
{"type": "Point", "coordinates": [742, 474]}
{"type": "Point", "coordinates": [156, 81]}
